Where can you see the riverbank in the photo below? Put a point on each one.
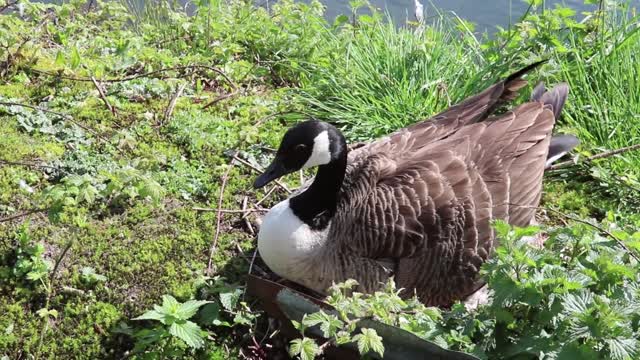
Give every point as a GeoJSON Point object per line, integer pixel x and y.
{"type": "Point", "coordinates": [129, 145]}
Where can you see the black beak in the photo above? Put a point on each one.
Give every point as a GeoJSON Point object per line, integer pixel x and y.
{"type": "Point", "coordinates": [274, 171]}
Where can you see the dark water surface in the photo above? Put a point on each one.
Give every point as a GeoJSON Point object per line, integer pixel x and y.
{"type": "Point", "coordinates": [486, 14]}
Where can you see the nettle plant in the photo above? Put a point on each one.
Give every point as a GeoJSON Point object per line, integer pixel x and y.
{"type": "Point", "coordinates": [576, 297]}
{"type": "Point", "coordinates": [180, 328]}
{"type": "Point", "coordinates": [30, 267]}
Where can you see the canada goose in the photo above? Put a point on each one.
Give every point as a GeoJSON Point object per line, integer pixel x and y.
{"type": "Point", "coordinates": [416, 204]}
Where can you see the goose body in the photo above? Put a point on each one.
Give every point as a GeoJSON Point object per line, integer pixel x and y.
{"type": "Point", "coordinates": [417, 204]}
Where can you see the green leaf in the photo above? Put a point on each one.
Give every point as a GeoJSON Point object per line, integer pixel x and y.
{"type": "Point", "coordinates": [341, 20]}
{"type": "Point", "coordinates": [44, 312]}
{"type": "Point", "coordinates": [369, 340]}
{"type": "Point", "coordinates": [75, 58]}
{"type": "Point", "coordinates": [623, 349]}
{"type": "Point", "coordinates": [229, 300]}
{"type": "Point", "coordinates": [305, 348]}
{"type": "Point", "coordinates": [169, 304]}
{"type": "Point", "coordinates": [209, 314]}
{"type": "Point", "coordinates": [329, 324]}
{"type": "Point", "coordinates": [188, 332]}
{"type": "Point", "coordinates": [152, 315]}
{"type": "Point", "coordinates": [60, 60]}
{"type": "Point", "coordinates": [189, 308]}
{"type": "Point", "coordinates": [576, 304]}
{"type": "Point", "coordinates": [574, 351]}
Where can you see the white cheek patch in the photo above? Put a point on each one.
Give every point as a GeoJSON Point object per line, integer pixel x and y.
{"type": "Point", "coordinates": [321, 153]}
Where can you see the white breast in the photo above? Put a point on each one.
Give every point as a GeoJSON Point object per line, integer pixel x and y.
{"type": "Point", "coordinates": [286, 243]}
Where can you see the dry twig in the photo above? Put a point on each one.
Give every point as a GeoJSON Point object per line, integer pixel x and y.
{"type": "Point", "coordinates": [174, 100]}
{"type": "Point", "coordinates": [229, 211]}
{"type": "Point", "coordinates": [143, 75]}
{"type": "Point", "coordinates": [8, 5]}
{"type": "Point", "coordinates": [31, 165]}
{"type": "Point", "coordinates": [244, 217]}
{"type": "Point", "coordinates": [601, 155]}
{"type": "Point", "coordinates": [103, 96]}
{"type": "Point", "coordinates": [601, 229]}
{"type": "Point", "coordinates": [214, 244]}
{"type": "Point", "coordinates": [220, 98]}
{"type": "Point", "coordinates": [21, 215]}
{"type": "Point", "coordinates": [244, 162]}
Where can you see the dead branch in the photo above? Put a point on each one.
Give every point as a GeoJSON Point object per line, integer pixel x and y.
{"type": "Point", "coordinates": [21, 215]}
{"type": "Point", "coordinates": [31, 165]}
{"type": "Point", "coordinates": [144, 75]}
{"type": "Point", "coordinates": [244, 217]}
{"type": "Point", "coordinates": [103, 96]}
{"type": "Point", "coordinates": [601, 155]}
{"type": "Point", "coordinates": [172, 104]}
{"type": "Point", "coordinates": [227, 211]}
{"type": "Point", "coordinates": [246, 163]}
{"type": "Point", "coordinates": [214, 244]}
{"type": "Point", "coordinates": [220, 98]}
{"type": "Point", "coordinates": [8, 5]}
{"type": "Point", "coordinates": [257, 205]}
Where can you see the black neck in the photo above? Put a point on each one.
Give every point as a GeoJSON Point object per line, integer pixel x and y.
{"type": "Point", "coordinates": [317, 205]}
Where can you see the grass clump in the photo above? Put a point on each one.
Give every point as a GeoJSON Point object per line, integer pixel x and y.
{"type": "Point", "coordinates": [388, 77]}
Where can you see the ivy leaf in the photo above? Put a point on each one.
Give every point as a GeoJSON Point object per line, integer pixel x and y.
{"type": "Point", "coordinates": [305, 348]}
{"type": "Point", "coordinates": [189, 308]}
{"type": "Point", "coordinates": [188, 332]}
{"type": "Point", "coordinates": [369, 340]}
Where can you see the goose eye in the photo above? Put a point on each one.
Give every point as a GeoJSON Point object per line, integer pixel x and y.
{"type": "Point", "coordinates": [299, 147]}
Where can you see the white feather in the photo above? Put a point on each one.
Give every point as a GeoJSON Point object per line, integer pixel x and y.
{"type": "Point", "coordinates": [286, 243]}
{"type": "Point", "coordinates": [321, 154]}
{"type": "Point", "coordinates": [554, 158]}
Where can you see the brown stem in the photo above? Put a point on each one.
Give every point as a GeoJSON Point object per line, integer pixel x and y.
{"type": "Point", "coordinates": [103, 96]}
{"type": "Point", "coordinates": [214, 244]}
{"type": "Point", "coordinates": [8, 5]}
{"type": "Point", "coordinates": [172, 104]}
{"type": "Point", "coordinates": [601, 155]}
{"type": "Point", "coordinates": [22, 214]}
{"type": "Point", "coordinates": [226, 211]}
{"type": "Point", "coordinates": [244, 162]}
{"type": "Point", "coordinates": [220, 98]}
{"type": "Point", "coordinates": [148, 74]}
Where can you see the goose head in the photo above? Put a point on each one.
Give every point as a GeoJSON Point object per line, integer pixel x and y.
{"type": "Point", "coordinates": [305, 145]}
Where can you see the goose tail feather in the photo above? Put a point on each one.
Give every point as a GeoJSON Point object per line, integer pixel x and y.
{"type": "Point", "coordinates": [559, 146]}
{"type": "Point", "coordinates": [555, 99]}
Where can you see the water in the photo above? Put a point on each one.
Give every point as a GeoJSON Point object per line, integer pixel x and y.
{"type": "Point", "coordinates": [486, 14]}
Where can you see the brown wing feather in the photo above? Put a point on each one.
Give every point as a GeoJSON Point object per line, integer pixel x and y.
{"type": "Point", "coordinates": [471, 110]}
{"type": "Point", "coordinates": [424, 198]}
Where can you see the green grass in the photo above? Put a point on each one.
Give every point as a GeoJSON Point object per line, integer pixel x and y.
{"type": "Point", "coordinates": [120, 190]}
{"type": "Point", "coordinates": [388, 77]}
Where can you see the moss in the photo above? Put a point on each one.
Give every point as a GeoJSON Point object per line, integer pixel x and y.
{"type": "Point", "coordinates": [18, 146]}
